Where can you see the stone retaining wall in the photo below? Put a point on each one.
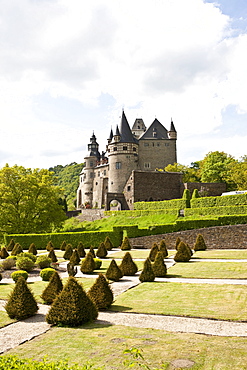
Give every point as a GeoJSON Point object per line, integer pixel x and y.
{"type": "Point", "coordinates": [217, 237]}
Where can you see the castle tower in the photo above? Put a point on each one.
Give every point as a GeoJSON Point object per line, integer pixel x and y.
{"type": "Point", "coordinates": [138, 128]}
{"type": "Point", "coordinates": [123, 156]}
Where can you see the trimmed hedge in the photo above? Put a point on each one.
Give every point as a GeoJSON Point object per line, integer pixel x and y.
{"type": "Point", "coordinates": [164, 204]}
{"type": "Point", "coordinates": [225, 201]}
{"type": "Point", "coordinates": [143, 212]}
{"type": "Point", "coordinates": [224, 210]}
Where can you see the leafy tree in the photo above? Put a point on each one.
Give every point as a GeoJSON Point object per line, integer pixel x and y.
{"type": "Point", "coordinates": [29, 201]}
{"type": "Point", "coordinates": [238, 173]}
{"type": "Point", "coordinates": [190, 174]}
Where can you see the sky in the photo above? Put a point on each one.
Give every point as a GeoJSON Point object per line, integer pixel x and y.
{"type": "Point", "coordinates": [69, 67]}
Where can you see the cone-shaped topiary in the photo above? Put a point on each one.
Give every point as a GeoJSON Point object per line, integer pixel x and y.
{"type": "Point", "coordinates": [195, 194]}
{"type": "Point", "coordinates": [159, 267]}
{"type": "Point", "coordinates": [162, 248]}
{"type": "Point", "coordinates": [68, 252]}
{"type": "Point", "coordinates": [63, 246]}
{"type": "Point", "coordinates": [81, 250]}
{"type": "Point", "coordinates": [4, 253]}
{"type": "Point", "coordinates": [49, 246]}
{"type": "Point", "coordinates": [178, 240]}
{"type": "Point", "coordinates": [21, 303]}
{"type": "Point", "coordinates": [126, 246]}
{"type": "Point", "coordinates": [183, 253]}
{"type": "Point", "coordinates": [153, 251]}
{"type": "Point", "coordinates": [186, 197]}
{"type": "Point", "coordinates": [72, 307]}
{"type": "Point", "coordinates": [147, 274]}
{"type": "Point", "coordinates": [108, 243]}
{"type": "Point", "coordinates": [16, 250]}
{"type": "Point", "coordinates": [88, 264]}
{"type": "Point", "coordinates": [32, 249]}
{"type": "Point", "coordinates": [91, 250]}
{"type": "Point", "coordinates": [101, 293]}
{"type": "Point", "coordinates": [200, 244]}
{"type": "Point", "coordinates": [11, 245]}
{"type": "Point", "coordinates": [113, 272]}
{"type": "Point", "coordinates": [128, 266]}
{"type": "Point", "coordinates": [54, 287]}
{"type": "Point", "coordinates": [75, 258]}
{"type": "Point", "coordinates": [52, 256]}
{"type": "Point", "coordinates": [71, 269]}
{"type": "Point", "coordinates": [101, 251]}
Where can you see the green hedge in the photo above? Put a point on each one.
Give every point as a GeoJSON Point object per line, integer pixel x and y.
{"type": "Point", "coordinates": [12, 362]}
{"type": "Point", "coordinates": [164, 204]}
{"type": "Point", "coordinates": [226, 210]}
{"type": "Point", "coordinates": [86, 237]}
{"type": "Point", "coordinates": [143, 212]}
{"type": "Point", "coordinates": [223, 201]}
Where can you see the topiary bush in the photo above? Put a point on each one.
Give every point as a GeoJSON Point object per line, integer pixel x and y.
{"type": "Point", "coordinates": [98, 263]}
{"type": "Point", "coordinates": [91, 250]}
{"type": "Point", "coordinates": [88, 264]}
{"type": "Point", "coordinates": [4, 253]}
{"type": "Point", "coordinates": [43, 262]}
{"type": "Point", "coordinates": [128, 266]}
{"type": "Point", "coordinates": [183, 253]}
{"type": "Point", "coordinates": [100, 293]}
{"type": "Point", "coordinates": [71, 269]}
{"type": "Point", "coordinates": [200, 244]}
{"type": "Point", "coordinates": [147, 274]}
{"type": "Point", "coordinates": [46, 273]}
{"type": "Point", "coordinates": [81, 250]}
{"type": "Point", "coordinates": [162, 248]}
{"type": "Point", "coordinates": [21, 303]}
{"type": "Point", "coordinates": [101, 251]}
{"type": "Point", "coordinates": [24, 263]}
{"type": "Point", "coordinates": [108, 243]}
{"type": "Point", "coordinates": [54, 287]}
{"type": "Point", "coordinates": [20, 273]}
{"type": "Point", "coordinates": [11, 245]}
{"type": "Point", "coordinates": [16, 250]}
{"type": "Point", "coordinates": [50, 246]}
{"type": "Point", "coordinates": [159, 267]}
{"type": "Point", "coordinates": [178, 240]}
{"type": "Point", "coordinates": [63, 245]}
{"type": "Point", "coordinates": [32, 249]}
{"type": "Point", "coordinates": [72, 307]}
{"type": "Point", "coordinates": [68, 252]}
{"type": "Point", "coordinates": [28, 255]}
{"type": "Point", "coordinates": [113, 272]}
{"type": "Point", "coordinates": [195, 194]}
{"type": "Point", "coordinates": [153, 251]}
{"type": "Point", "coordinates": [52, 256]}
{"type": "Point", "coordinates": [75, 258]}
{"type": "Point", "coordinates": [125, 246]}
{"type": "Point", "coordinates": [8, 264]}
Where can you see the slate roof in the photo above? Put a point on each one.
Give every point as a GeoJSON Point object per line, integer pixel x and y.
{"type": "Point", "coordinates": [126, 135]}
{"type": "Point", "coordinates": [155, 131]}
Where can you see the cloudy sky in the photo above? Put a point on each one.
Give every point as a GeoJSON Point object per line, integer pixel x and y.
{"type": "Point", "coordinates": [68, 67]}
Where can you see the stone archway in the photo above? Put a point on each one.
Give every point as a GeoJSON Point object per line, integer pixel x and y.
{"type": "Point", "coordinates": [117, 197]}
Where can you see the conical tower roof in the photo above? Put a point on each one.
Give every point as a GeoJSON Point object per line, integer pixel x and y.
{"type": "Point", "coordinates": [172, 127]}
{"type": "Point", "coordinates": [126, 135]}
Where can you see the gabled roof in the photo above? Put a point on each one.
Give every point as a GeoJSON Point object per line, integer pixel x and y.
{"type": "Point", "coordinates": [155, 131]}
{"type": "Point", "coordinates": [126, 135]}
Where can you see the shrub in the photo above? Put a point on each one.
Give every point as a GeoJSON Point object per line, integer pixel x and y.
{"type": "Point", "coordinates": [50, 246]}
{"type": "Point", "coordinates": [88, 264]}
{"type": "Point", "coordinates": [16, 250]}
{"type": "Point", "coordinates": [8, 263]}
{"type": "Point", "coordinates": [28, 255]}
{"type": "Point", "coordinates": [43, 262]}
{"type": "Point", "coordinates": [100, 293]}
{"type": "Point", "coordinates": [195, 194]}
{"type": "Point", "coordinates": [183, 253]}
{"type": "Point", "coordinates": [72, 307]}
{"type": "Point", "coordinates": [16, 274]}
{"type": "Point", "coordinates": [21, 303]}
{"type": "Point", "coordinates": [113, 272]}
{"type": "Point", "coordinates": [159, 267]}
{"type": "Point", "coordinates": [46, 273]}
{"type": "Point", "coordinates": [178, 240]}
{"type": "Point", "coordinates": [98, 263]}
{"type": "Point", "coordinates": [54, 287]}
{"type": "Point", "coordinates": [81, 250]}
{"type": "Point", "coordinates": [200, 243]}
{"type": "Point", "coordinates": [186, 197]}
{"type": "Point", "coordinates": [71, 269]}
{"type": "Point", "coordinates": [68, 252]}
{"type": "Point", "coordinates": [153, 251]}
{"type": "Point", "coordinates": [125, 246]}
{"type": "Point", "coordinates": [163, 249]}
{"type": "Point", "coordinates": [101, 251]}
{"type": "Point", "coordinates": [63, 246]}
{"type": "Point", "coordinates": [91, 250]}
{"type": "Point", "coordinates": [32, 249]}
{"type": "Point", "coordinates": [75, 258]}
{"type": "Point", "coordinates": [147, 274]}
{"type": "Point", "coordinates": [128, 266]}
{"type": "Point", "coordinates": [3, 253]}
{"type": "Point", "coordinates": [52, 256]}
{"type": "Point", "coordinates": [24, 263]}
{"type": "Point", "coordinates": [108, 243]}
{"type": "Point", "coordinates": [0, 277]}
{"type": "Point", "coordinates": [11, 245]}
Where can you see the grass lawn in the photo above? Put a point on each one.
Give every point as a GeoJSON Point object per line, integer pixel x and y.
{"type": "Point", "coordinates": [207, 270]}
{"type": "Point", "coordinates": [226, 302]}
{"type": "Point", "coordinates": [4, 319]}
{"type": "Point", "coordinates": [104, 346]}
{"type": "Point", "coordinates": [222, 253]}
{"type": "Point", "coordinates": [142, 253]}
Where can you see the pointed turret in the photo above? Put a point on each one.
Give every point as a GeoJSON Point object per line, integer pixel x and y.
{"type": "Point", "coordinates": [110, 136]}
{"type": "Point", "coordinates": [117, 135]}
{"type": "Point", "coordinates": [172, 133]}
{"type": "Point", "coordinates": [93, 147]}
{"type": "Point", "coordinates": [126, 135]}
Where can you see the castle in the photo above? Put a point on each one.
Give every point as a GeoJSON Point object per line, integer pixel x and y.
{"type": "Point", "coordinates": [129, 171]}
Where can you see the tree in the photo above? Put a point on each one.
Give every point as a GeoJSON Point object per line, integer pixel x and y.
{"type": "Point", "coordinates": [29, 201]}
{"type": "Point", "coordinates": [190, 174]}
{"type": "Point", "coordinates": [238, 173]}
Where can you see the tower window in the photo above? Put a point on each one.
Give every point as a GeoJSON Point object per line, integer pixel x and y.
{"type": "Point", "coordinates": [115, 149]}
{"type": "Point", "coordinates": [147, 165]}
{"type": "Point", "coordinates": [125, 148]}
{"type": "Point", "coordinates": [134, 149]}
{"type": "Point", "coordinates": [91, 164]}
{"type": "Point", "coordinates": [91, 175]}
{"type": "Point", "coordinates": [98, 173]}
{"type": "Point", "coordinates": [146, 144]}
{"type": "Point", "coordinates": [128, 188]}
{"type": "Point", "coordinates": [118, 165]}
{"type": "Point", "coordinates": [104, 172]}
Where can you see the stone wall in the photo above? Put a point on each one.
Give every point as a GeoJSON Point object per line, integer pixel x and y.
{"type": "Point", "coordinates": [91, 214]}
{"type": "Point", "coordinates": [208, 188]}
{"type": "Point", "coordinates": [217, 237]}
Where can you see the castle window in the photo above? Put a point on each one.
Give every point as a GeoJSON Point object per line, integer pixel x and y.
{"type": "Point", "coordinates": [115, 149]}
{"type": "Point", "coordinates": [96, 183]}
{"type": "Point", "coordinates": [118, 165]}
{"type": "Point", "coordinates": [158, 144]}
{"type": "Point", "coordinates": [128, 188]}
{"type": "Point", "coordinates": [98, 173]}
{"type": "Point", "coordinates": [104, 172]}
{"type": "Point", "coordinates": [134, 149]}
{"type": "Point", "coordinates": [91, 175]}
{"type": "Point", "coordinates": [91, 163]}
{"type": "Point", "coordinates": [166, 144]}
{"type": "Point", "coordinates": [147, 165]}
{"type": "Point", "coordinates": [146, 144]}
{"type": "Point", "coordinates": [125, 148]}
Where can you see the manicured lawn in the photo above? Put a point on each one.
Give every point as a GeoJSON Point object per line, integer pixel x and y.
{"type": "Point", "coordinates": [222, 253]}
{"type": "Point", "coordinates": [4, 319]}
{"type": "Point", "coordinates": [104, 346]}
{"type": "Point", "coordinates": [142, 253]}
{"type": "Point", "coordinates": [226, 302]}
{"type": "Point", "coordinates": [207, 270]}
